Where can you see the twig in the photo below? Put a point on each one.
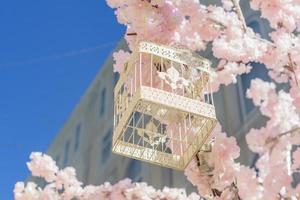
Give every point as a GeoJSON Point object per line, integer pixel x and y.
{"type": "Point", "coordinates": [270, 140]}
{"type": "Point", "coordinates": [293, 67]}
{"type": "Point", "coordinates": [273, 141]}
{"type": "Point", "coordinates": [130, 34]}
{"type": "Point", "coordinates": [233, 188]}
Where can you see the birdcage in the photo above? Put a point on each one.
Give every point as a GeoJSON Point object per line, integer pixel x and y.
{"type": "Point", "coordinates": [163, 106]}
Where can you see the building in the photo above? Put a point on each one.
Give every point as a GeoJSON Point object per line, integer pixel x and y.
{"type": "Point", "coordinates": [85, 140]}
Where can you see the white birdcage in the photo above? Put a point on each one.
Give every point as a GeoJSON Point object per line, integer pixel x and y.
{"type": "Point", "coordinates": [164, 109]}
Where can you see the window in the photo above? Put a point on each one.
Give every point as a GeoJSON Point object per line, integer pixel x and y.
{"type": "Point", "coordinates": [77, 137]}
{"type": "Point", "coordinates": [66, 157]}
{"type": "Point", "coordinates": [258, 71]}
{"type": "Point", "coordinates": [57, 160]}
{"type": "Point", "coordinates": [116, 78]}
{"type": "Point", "coordinates": [102, 101]}
{"type": "Point", "coordinates": [133, 170]}
{"type": "Point", "coordinates": [92, 101]}
{"type": "Point", "coordinates": [106, 146]}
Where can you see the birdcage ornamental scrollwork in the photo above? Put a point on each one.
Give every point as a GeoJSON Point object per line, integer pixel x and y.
{"type": "Point", "coordinates": [163, 106]}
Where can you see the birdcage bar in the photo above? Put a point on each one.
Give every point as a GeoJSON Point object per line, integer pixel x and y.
{"type": "Point", "coordinates": [211, 93]}
{"type": "Point", "coordinates": [207, 93]}
{"type": "Point", "coordinates": [186, 141]}
{"type": "Point", "coordinates": [161, 69]}
{"type": "Point", "coordinates": [153, 152]}
{"type": "Point", "coordinates": [133, 133]}
{"type": "Point", "coordinates": [184, 121]}
{"type": "Point", "coordinates": [140, 69]}
{"type": "Point", "coordinates": [202, 81]}
{"type": "Point", "coordinates": [143, 125]}
{"type": "Point", "coordinates": [180, 138]}
{"type": "Point", "coordinates": [131, 87]}
{"type": "Point", "coordinates": [151, 70]}
{"type": "Point", "coordinates": [183, 88]}
{"type": "Point", "coordinates": [135, 74]}
{"type": "Point", "coordinates": [171, 140]}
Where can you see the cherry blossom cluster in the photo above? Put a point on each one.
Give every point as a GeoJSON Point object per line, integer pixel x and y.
{"type": "Point", "coordinates": [213, 173]}
{"type": "Point", "coordinates": [62, 184]}
{"type": "Point", "coordinates": [194, 25]}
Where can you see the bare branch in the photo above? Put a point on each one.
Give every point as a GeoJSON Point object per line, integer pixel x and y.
{"type": "Point", "coordinates": [273, 141]}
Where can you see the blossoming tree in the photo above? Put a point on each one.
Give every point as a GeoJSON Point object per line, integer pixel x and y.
{"type": "Point", "coordinates": [193, 25]}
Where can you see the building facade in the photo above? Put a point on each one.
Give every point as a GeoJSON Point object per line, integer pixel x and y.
{"type": "Point", "coordinates": [85, 140]}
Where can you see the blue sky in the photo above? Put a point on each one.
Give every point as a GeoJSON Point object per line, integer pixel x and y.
{"type": "Point", "coordinates": [50, 51]}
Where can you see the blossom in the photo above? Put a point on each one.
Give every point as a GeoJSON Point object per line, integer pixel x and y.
{"type": "Point", "coordinates": [239, 47]}
{"type": "Point", "coordinates": [221, 160]}
{"type": "Point", "coordinates": [295, 94]}
{"type": "Point", "coordinates": [114, 3]}
{"type": "Point", "coordinates": [65, 186]}
{"type": "Point", "coordinates": [228, 4]}
{"type": "Point", "coordinates": [120, 58]}
{"type": "Point", "coordinates": [247, 184]}
{"type": "Point", "coordinates": [228, 73]}
{"type": "Point", "coordinates": [296, 159]}
{"type": "Point", "coordinates": [43, 166]}
{"type": "Point", "coordinates": [261, 91]}
{"type": "Point", "coordinates": [26, 192]}
{"type": "Point", "coordinates": [66, 179]}
{"type": "Point", "coordinates": [198, 179]}
{"type": "Point", "coordinates": [288, 12]}
{"type": "Point", "coordinates": [276, 106]}
{"type": "Point", "coordinates": [224, 152]}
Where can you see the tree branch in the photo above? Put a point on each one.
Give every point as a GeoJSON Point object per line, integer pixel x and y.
{"type": "Point", "coordinates": [273, 141]}
{"type": "Point", "coordinates": [293, 67]}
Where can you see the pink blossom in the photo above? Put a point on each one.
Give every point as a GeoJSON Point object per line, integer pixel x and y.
{"type": "Point", "coordinates": [261, 91]}
{"type": "Point", "coordinates": [275, 180]}
{"type": "Point", "coordinates": [91, 192]}
{"type": "Point", "coordinates": [247, 183]}
{"type": "Point", "coordinates": [227, 4]}
{"type": "Point", "coordinates": [115, 3]}
{"type": "Point", "coordinates": [295, 94]}
{"type": "Point", "coordinates": [224, 152]}
{"type": "Point", "coordinates": [119, 189]}
{"type": "Point", "coordinates": [43, 166]}
{"type": "Point", "coordinates": [66, 179]}
{"type": "Point", "coordinates": [296, 159]}
{"type": "Point", "coordinates": [256, 139]}
{"type": "Point", "coordinates": [120, 58]}
{"type": "Point", "coordinates": [276, 106]}
{"type": "Point", "coordinates": [239, 47]}
{"type": "Point", "coordinates": [141, 191]}
{"type": "Point", "coordinates": [226, 194]}
{"type": "Point", "coordinates": [26, 192]}
{"type": "Point", "coordinates": [221, 159]}
{"type": "Point", "coordinates": [227, 73]}
{"type": "Point", "coordinates": [201, 181]}
{"type": "Point", "coordinates": [288, 12]}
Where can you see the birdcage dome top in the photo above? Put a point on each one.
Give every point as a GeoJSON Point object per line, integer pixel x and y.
{"type": "Point", "coordinates": [177, 54]}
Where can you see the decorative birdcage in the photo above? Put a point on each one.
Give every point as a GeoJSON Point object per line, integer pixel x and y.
{"type": "Point", "coordinates": [163, 106]}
